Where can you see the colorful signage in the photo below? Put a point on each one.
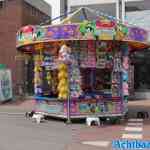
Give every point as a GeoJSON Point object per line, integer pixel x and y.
{"type": "Point", "coordinates": [137, 34]}
{"type": "Point", "coordinates": [88, 30]}
{"type": "Point", "coordinates": [5, 85]}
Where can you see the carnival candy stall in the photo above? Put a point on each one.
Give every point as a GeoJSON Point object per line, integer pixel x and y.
{"type": "Point", "coordinates": [81, 67]}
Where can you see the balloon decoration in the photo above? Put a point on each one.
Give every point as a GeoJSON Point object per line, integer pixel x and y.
{"type": "Point", "coordinates": [65, 54]}
{"type": "Point", "coordinates": [116, 75]}
{"type": "Point", "coordinates": [38, 59]}
{"type": "Point", "coordinates": [64, 59]}
{"type": "Point", "coordinates": [125, 68]}
{"type": "Point", "coordinates": [125, 63]}
{"type": "Point", "coordinates": [125, 76]}
{"type": "Point", "coordinates": [121, 31]}
{"type": "Point", "coordinates": [75, 79]}
{"type": "Point", "coordinates": [87, 29]}
{"type": "Point", "coordinates": [117, 63]}
{"type": "Point", "coordinates": [63, 82]}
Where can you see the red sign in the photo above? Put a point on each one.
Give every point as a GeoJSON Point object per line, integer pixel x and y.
{"type": "Point", "coordinates": [105, 24]}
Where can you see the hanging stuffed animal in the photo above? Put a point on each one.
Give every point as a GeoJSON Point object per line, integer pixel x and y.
{"type": "Point", "coordinates": [126, 63]}
{"type": "Point", "coordinates": [63, 82]}
{"type": "Point", "coordinates": [65, 54]}
{"type": "Point", "coordinates": [49, 78]}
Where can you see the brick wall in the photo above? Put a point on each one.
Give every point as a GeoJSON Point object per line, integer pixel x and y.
{"type": "Point", "coordinates": [13, 15]}
{"type": "Point", "coordinates": [10, 22]}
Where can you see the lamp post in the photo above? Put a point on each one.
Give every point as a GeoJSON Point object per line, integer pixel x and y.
{"type": "Point", "coordinates": [120, 10]}
{"type": "Point", "coordinates": [68, 99]}
{"type": "Point", "coordinates": [123, 10]}
{"type": "Point", "coordinates": [68, 109]}
{"type": "Point", "coordinates": [117, 10]}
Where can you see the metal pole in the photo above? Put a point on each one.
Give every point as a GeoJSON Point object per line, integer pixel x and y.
{"type": "Point", "coordinates": [68, 100]}
{"type": "Point", "coordinates": [117, 10]}
{"type": "Point", "coordinates": [123, 11]}
{"type": "Point", "coordinates": [68, 6]}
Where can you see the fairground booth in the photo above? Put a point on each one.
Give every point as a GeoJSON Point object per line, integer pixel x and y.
{"type": "Point", "coordinates": [81, 65]}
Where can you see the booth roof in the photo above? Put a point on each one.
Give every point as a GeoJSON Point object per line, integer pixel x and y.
{"type": "Point", "coordinates": [137, 37]}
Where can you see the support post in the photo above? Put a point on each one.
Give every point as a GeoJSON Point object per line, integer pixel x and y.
{"type": "Point", "coordinates": [68, 99]}
{"type": "Point", "coordinates": [123, 10]}
{"type": "Point", "coordinates": [117, 10]}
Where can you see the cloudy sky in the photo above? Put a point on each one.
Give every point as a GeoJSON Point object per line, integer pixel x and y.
{"type": "Point", "coordinates": [48, 0]}
{"type": "Point", "coordinates": [55, 8]}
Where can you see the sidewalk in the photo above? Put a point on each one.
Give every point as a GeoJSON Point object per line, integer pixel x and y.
{"type": "Point", "coordinates": [138, 105]}
{"type": "Point", "coordinates": [17, 107]}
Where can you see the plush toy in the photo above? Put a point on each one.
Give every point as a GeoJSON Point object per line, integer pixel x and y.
{"type": "Point", "coordinates": [65, 54]}
{"type": "Point", "coordinates": [63, 81]}
{"type": "Point", "coordinates": [62, 75]}
{"type": "Point", "coordinates": [121, 32]}
{"type": "Point", "coordinates": [82, 28]}
{"type": "Point", "coordinates": [125, 63]}
{"type": "Point", "coordinates": [75, 79]}
{"type": "Point", "coordinates": [62, 66]}
{"type": "Point", "coordinates": [125, 76]}
{"type": "Point", "coordinates": [125, 89]}
{"type": "Point", "coordinates": [87, 29]}
{"type": "Point", "coordinates": [49, 78]}
{"type": "Point", "coordinates": [38, 59]}
{"type": "Point", "coordinates": [37, 69]}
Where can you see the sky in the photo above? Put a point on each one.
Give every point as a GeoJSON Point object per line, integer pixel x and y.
{"type": "Point", "coordinates": [48, 1]}
{"type": "Point", "coordinates": [55, 8]}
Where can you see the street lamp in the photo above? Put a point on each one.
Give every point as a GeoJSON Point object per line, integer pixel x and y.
{"type": "Point", "coordinates": [123, 10]}
{"type": "Point", "coordinates": [68, 107]}
{"type": "Point", "coordinates": [120, 10]}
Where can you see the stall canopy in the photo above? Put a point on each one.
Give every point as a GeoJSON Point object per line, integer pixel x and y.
{"type": "Point", "coordinates": [83, 24]}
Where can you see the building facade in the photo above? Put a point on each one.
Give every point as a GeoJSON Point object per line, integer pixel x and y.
{"type": "Point", "coordinates": [13, 15]}
{"type": "Point", "coordinates": [59, 7]}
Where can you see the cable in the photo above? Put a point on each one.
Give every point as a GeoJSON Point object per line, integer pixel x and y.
{"type": "Point", "coordinates": [98, 13]}
{"type": "Point", "coordinates": [58, 17]}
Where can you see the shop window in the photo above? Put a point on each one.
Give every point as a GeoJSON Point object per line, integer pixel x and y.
{"type": "Point", "coordinates": [50, 89]}
{"type": "Point", "coordinates": [95, 79]}
{"type": "Point", "coordinates": [142, 70]}
{"type": "Point", "coordinates": [102, 79]}
{"type": "Point", "coordinates": [132, 8]}
{"type": "Point", "coordinates": [33, 11]}
{"type": "Point", "coordinates": [1, 4]}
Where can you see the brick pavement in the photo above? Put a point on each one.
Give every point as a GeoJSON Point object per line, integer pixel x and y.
{"type": "Point", "coordinates": [17, 107]}
{"type": "Point", "coordinates": [106, 133]}
{"type": "Point", "coordinates": [109, 133]}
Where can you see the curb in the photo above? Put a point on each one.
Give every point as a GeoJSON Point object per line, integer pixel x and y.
{"type": "Point", "coordinates": [12, 114]}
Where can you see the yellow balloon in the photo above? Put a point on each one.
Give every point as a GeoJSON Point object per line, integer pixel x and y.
{"type": "Point", "coordinates": [62, 67]}
{"type": "Point", "coordinates": [59, 96]}
{"type": "Point", "coordinates": [63, 82]}
{"type": "Point", "coordinates": [62, 75]}
{"type": "Point", "coordinates": [59, 87]}
{"type": "Point", "coordinates": [64, 89]}
{"type": "Point", "coordinates": [36, 69]}
{"type": "Point", "coordinates": [64, 96]}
